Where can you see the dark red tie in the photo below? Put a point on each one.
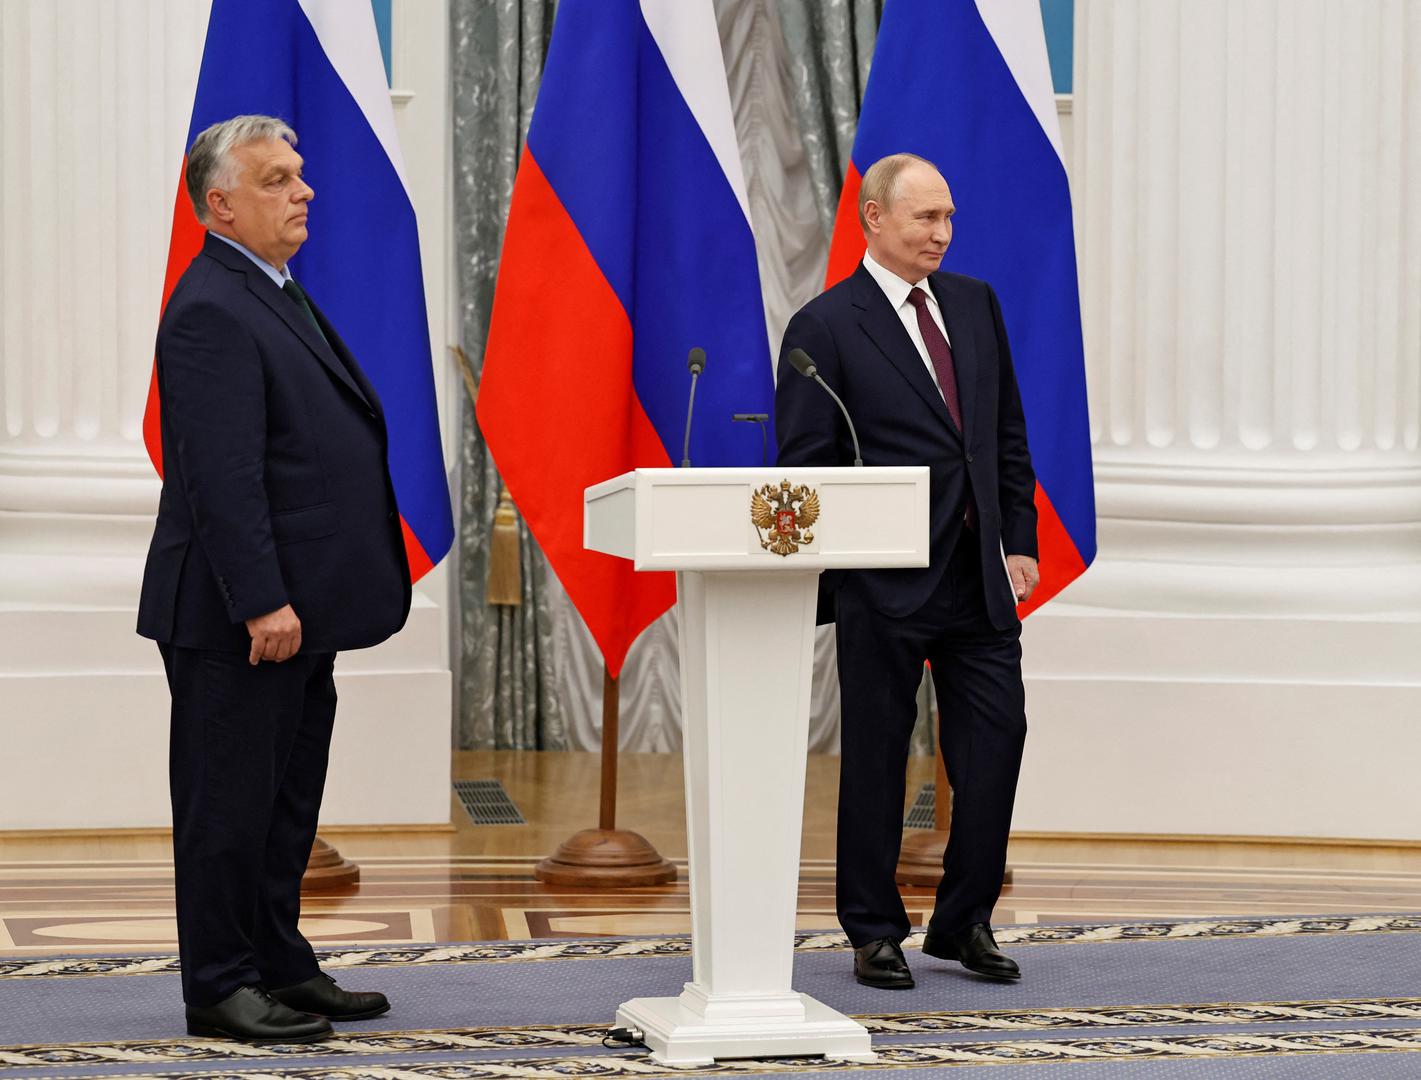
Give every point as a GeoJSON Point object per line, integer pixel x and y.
{"type": "Point", "coordinates": [939, 352]}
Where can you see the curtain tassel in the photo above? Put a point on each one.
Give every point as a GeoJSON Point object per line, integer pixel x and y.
{"type": "Point", "coordinates": [505, 575]}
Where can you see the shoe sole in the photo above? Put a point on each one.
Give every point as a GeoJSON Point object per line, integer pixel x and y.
{"type": "Point", "coordinates": [368, 1014]}
{"type": "Point", "coordinates": [885, 985]}
{"type": "Point", "coordinates": [212, 1032]}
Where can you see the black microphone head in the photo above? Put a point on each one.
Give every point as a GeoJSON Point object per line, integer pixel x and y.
{"type": "Point", "coordinates": [802, 364]}
{"type": "Point", "coordinates": [696, 362]}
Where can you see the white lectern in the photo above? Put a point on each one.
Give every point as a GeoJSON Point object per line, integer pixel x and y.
{"type": "Point", "coordinates": [748, 546]}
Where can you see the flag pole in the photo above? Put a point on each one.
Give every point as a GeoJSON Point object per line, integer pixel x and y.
{"type": "Point", "coordinates": [606, 857]}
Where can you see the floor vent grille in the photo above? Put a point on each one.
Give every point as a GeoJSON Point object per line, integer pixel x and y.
{"type": "Point", "coordinates": [487, 803]}
{"type": "Point", "coordinates": [923, 813]}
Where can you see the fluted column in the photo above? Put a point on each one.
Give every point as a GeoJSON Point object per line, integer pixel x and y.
{"type": "Point", "coordinates": [1241, 658]}
{"type": "Point", "coordinates": [1245, 179]}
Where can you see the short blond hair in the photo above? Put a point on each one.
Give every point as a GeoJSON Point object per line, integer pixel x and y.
{"type": "Point", "coordinates": [880, 182]}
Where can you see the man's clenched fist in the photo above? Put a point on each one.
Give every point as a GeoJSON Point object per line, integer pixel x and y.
{"type": "Point", "coordinates": [275, 636]}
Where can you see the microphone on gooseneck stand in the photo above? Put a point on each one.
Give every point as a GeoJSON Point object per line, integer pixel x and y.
{"type": "Point", "coordinates": [805, 366]}
{"type": "Point", "coordinates": [696, 362]}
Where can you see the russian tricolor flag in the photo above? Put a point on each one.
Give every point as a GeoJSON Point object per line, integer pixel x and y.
{"type": "Point", "coordinates": [628, 244]}
{"type": "Point", "coordinates": [967, 85]}
{"type": "Point", "coordinates": [316, 64]}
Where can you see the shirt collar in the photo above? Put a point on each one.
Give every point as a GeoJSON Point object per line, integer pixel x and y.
{"type": "Point", "coordinates": [279, 276]}
{"type": "Point", "coordinates": [894, 287]}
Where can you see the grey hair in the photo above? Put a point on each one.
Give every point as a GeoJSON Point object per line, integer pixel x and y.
{"type": "Point", "coordinates": [880, 182]}
{"type": "Point", "coordinates": [209, 161]}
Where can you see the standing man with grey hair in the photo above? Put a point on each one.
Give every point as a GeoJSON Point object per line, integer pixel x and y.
{"type": "Point", "coordinates": [277, 544]}
{"type": "Point", "coordinates": [921, 360]}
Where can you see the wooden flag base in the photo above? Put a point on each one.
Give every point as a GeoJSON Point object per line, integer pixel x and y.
{"type": "Point", "coordinates": [606, 857]}
{"type": "Point", "coordinates": [920, 858]}
{"type": "Point", "coordinates": [328, 869]}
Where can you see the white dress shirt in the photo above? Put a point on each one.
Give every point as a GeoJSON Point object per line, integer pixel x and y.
{"type": "Point", "coordinates": [279, 275]}
{"type": "Point", "coordinates": [897, 290]}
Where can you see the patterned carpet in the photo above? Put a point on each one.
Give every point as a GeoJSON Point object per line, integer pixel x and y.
{"type": "Point", "coordinates": [1325, 998]}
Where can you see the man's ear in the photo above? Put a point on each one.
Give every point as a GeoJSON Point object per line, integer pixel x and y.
{"type": "Point", "coordinates": [218, 206]}
{"type": "Point", "coordinates": [873, 215]}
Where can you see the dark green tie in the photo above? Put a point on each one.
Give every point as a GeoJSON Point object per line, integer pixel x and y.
{"type": "Point", "coordinates": [298, 294]}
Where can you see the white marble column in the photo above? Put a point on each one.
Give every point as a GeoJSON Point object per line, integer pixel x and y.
{"type": "Point", "coordinates": [95, 99]}
{"type": "Point", "coordinates": [1247, 187]}
{"type": "Point", "coordinates": [1242, 658]}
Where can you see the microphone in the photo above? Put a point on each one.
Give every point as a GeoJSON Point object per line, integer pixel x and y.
{"type": "Point", "coordinates": [757, 418]}
{"type": "Point", "coordinates": [695, 363]}
{"type": "Point", "coordinates": [801, 363]}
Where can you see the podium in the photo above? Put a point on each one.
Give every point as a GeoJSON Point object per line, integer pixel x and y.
{"type": "Point", "coordinates": [747, 546]}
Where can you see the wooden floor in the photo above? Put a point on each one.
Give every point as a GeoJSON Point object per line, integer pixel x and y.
{"type": "Point", "coordinates": [102, 892]}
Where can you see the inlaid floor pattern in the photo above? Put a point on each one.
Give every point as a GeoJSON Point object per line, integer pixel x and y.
{"type": "Point", "coordinates": [468, 882]}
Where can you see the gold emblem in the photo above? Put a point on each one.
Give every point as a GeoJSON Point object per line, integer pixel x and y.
{"type": "Point", "coordinates": [782, 516]}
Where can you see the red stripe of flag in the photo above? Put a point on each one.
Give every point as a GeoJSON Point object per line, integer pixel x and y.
{"type": "Point", "coordinates": [576, 422]}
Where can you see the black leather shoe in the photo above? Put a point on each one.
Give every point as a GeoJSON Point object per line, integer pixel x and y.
{"type": "Point", "coordinates": [975, 948]}
{"type": "Point", "coordinates": [252, 1015]}
{"type": "Point", "coordinates": [321, 995]}
{"type": "Point", "coordinates": [880, 963]}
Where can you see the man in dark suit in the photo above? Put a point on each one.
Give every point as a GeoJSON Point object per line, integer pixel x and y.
{"type": "Point", "coordinates": [277, 543]}
{"type": "Point", "coordinates": [921, 361]}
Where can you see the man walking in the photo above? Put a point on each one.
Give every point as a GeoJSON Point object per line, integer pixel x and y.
{"type": "Point", "coordinates": [921, 360]}
{"type": "Point", "coordinates": [277, 544]}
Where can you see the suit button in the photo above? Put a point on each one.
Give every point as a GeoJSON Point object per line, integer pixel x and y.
{"type": "Point", "coordinates": [970, 459]}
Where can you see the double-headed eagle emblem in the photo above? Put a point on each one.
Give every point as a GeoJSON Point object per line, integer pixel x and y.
{"type": "Point", "coordinates": [782, 516]}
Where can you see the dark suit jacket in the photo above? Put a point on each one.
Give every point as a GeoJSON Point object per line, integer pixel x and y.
{"type": "Point", "coordinates": [862, 350]}
{"type": "Point", "coordinates": [276, 488]}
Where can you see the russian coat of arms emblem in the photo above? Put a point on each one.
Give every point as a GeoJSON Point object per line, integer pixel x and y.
{"type": "Point", "coordinates": [782, 516]}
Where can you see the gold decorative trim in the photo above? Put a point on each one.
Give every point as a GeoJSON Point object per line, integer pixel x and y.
{"type": "Point", "coordinates": [603, 948]}
{"type": "Point", "coordinates": [577, 1036]}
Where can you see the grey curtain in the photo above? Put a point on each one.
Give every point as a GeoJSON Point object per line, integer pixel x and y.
{"type": "Point", "coordinates": [505, 691]}
{"type": "Point", "coordinates": [830, 45]}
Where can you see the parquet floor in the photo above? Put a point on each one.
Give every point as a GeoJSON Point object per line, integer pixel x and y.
{"type": "Point", "coordinates": [100, 892]}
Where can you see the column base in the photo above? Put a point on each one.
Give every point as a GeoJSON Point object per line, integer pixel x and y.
{"type": "Point", "coordinates": [677, 1035]}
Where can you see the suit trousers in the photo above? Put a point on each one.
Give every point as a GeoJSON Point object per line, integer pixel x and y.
{"type": "Point", "coordinates": [976, 671]}
{"type": "Point", "coordinates": [247, 767]}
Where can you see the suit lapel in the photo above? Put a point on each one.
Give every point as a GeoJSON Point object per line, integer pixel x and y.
{"type": "Point", "coordinates": [347, 360]}
{"type": "Point", "coordinates": [964, 348]}
{"type": "Point", "coordinates": [265, 290]}
{"type": "Point", "coordinates": [881, 323]}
